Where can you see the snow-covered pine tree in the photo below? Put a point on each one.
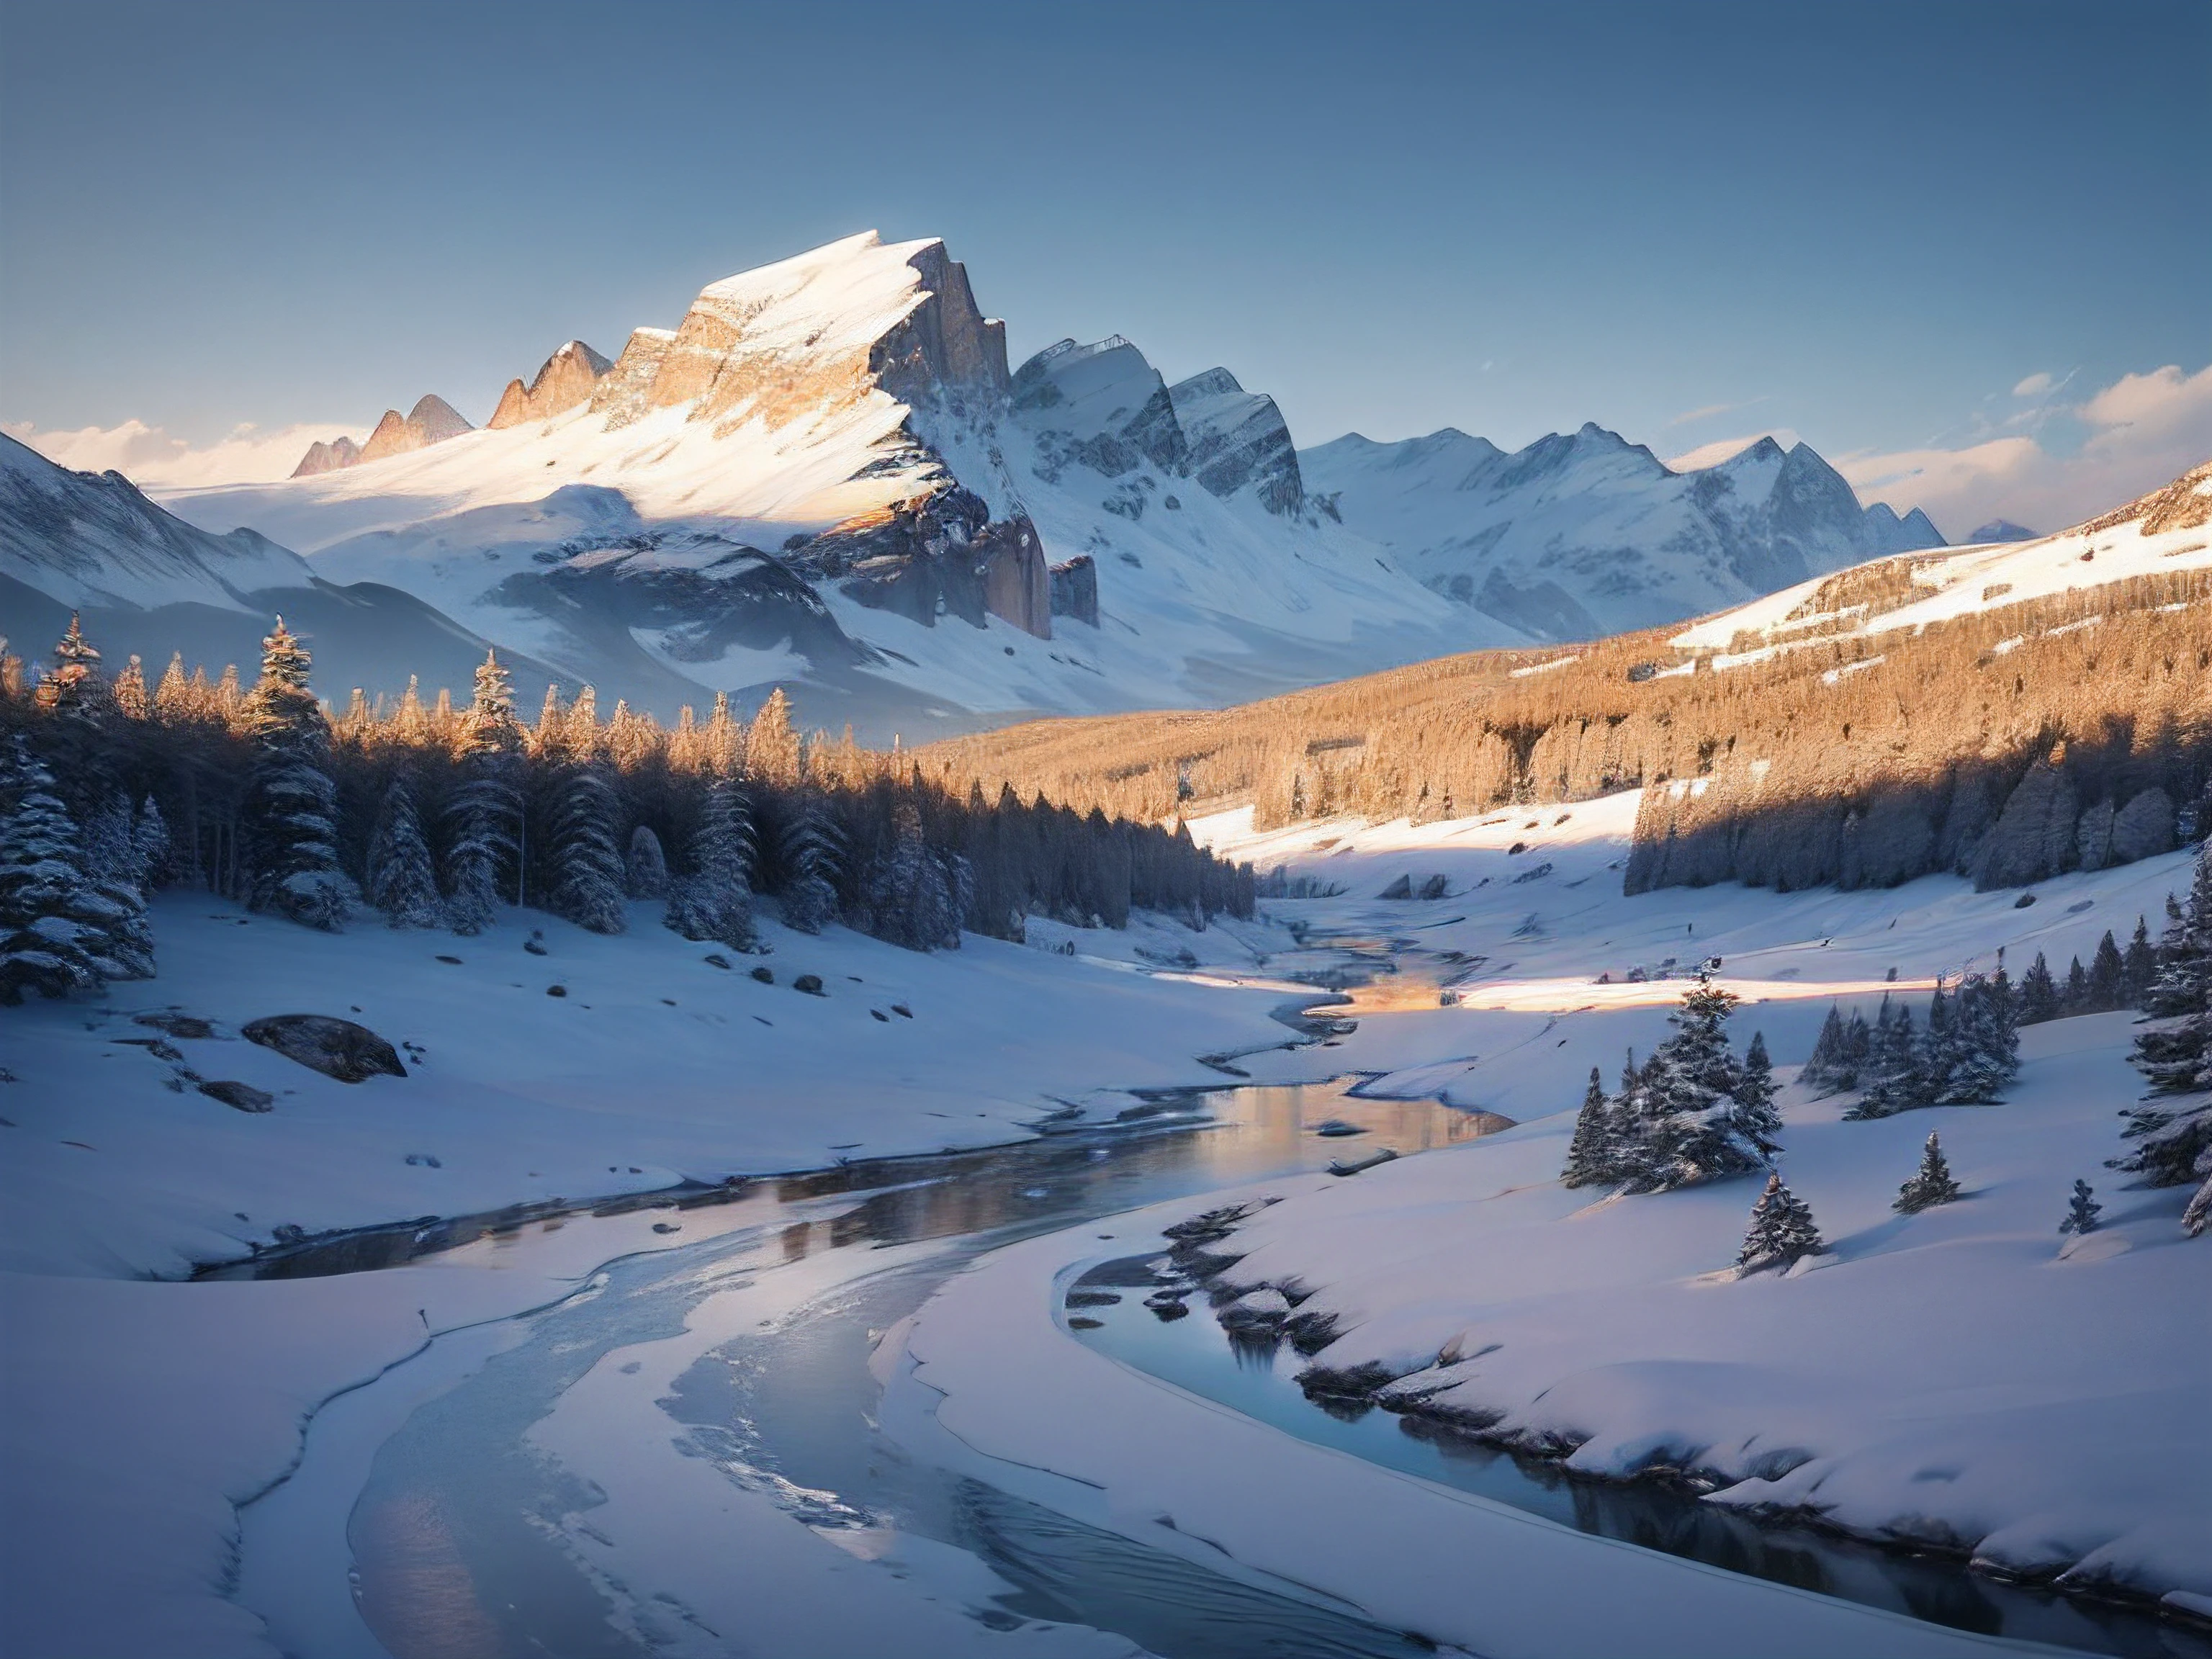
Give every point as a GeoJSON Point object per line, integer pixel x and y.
{"type": "Point", "coordinates": [647, 876]}
{"type": "Point", "coordinates": [715, 900]}
{"type": "Point", "coordinates": [1681, 1118]}
{"type": "Point", "coordinates": [811, 852]}
{"type": "Point", "coordinates": [1930, 1185]}
{"type": "Point", "coordinates": [1984, 1043]}
{"type": "Point", "coordinates": [1753, 1094]}
{"type": "Point", "coordinates": [586, 861]}
{"type": "Point", "coordinates": [914, 896]}
{"type": "Point", "coordinates": [290, 829]}
{"type": "Point", "coordinates": [484, 814]}
{"type": "Point", "coordinates": [60, 931]}
{"type": "Point", "coordinates": [2038, 994]}
{"type": "Point", "coordinates": [401, 882]}
{"type": "Point", "coordinates": [2172, 1132]}
{"type": "Point", "coordinates": [1782, 1230]}
{"type": "Point", "coordinates": [2081, 1213]}
{"type": "Point", "coordinates": [1827, 1052]}
{"type": "Point", "coordinates": [149, 844]}
{"type": "Point", "coordinates": [1591, 1154]}
{"type": "Point", "coordinates": [1893, 1068]}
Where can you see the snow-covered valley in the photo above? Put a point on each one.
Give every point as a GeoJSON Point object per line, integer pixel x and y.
{"type": "Point", "coordinates": [2038, 1374]}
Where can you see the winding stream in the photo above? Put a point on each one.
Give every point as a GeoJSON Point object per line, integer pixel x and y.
{"type": "Point", "coordinates": [458, 1536]}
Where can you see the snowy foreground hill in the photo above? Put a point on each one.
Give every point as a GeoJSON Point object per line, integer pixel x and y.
{"type": "Point", "coordinates": [827, 475]}
{"type": "Point", "coordinates": [1965, 1375]}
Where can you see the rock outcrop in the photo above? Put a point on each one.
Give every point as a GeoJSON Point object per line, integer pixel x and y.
{"type": "Point", "coordinates": [432, 420]}
{"type": "Point", "coordinates": [323, 1042]}
{"type": "Point", "coordinates": [1238, 438]}
{"type": "Point", "coordinates": [940, 554]}
{"type": "Point", "coordinates": [1075, 589]}
{"type": "Point", "coordinates": [566, 379]}
{"type": "Point", "coordinates": [622, 393]}
{"type": "Point", "coordinates": [330, 457]}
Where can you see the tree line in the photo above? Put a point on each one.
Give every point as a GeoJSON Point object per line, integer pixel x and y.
{"type": "Point", "coordinates": [444, 814]}
{"type": "Point", "coordinates": [2008, 745]}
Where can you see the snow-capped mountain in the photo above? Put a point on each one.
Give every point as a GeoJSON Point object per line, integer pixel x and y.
{"type": "Point", "coordinates": [1999, 530]}
{"type": "Point", "coordinates": [826, 477]}
{"type": "Point", "coordinates": [147, 583]}
{"type": "Point", "coordinates": [1585, 533]}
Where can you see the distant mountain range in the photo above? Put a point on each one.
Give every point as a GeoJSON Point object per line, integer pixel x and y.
{"type": "Point", "coordinates": [826, 476]}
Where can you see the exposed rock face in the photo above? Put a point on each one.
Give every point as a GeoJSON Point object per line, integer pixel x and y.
{"type": "Point", "coordinates": [1075, 589]}
{"type": "Point", "coordinates": [336, 1048]}
{"type": "Point", "coordinates": [432, 420]}
{"type": "Point", "coordinates": [814, 336]}
{"type": "Point", "coordinates": [327, 457]}
{"type": "Point", "coordinates": [1104, 407]}
{"type": "Point", "coordinates": [622, 390]}
{"type": "Point", "coordinates": [565, 380]}
{"type": "Point", "coordinates": [1238, 438]}
{"type": "Point", "coordinates": [703, 593]}
{"type": "Point", "coordinates": [938, 554]}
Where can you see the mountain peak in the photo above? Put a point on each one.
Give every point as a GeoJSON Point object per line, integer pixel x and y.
{"type": "Point", "coordinates": [565, 380]}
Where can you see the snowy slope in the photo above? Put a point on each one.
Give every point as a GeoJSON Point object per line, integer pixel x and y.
{"type": "Point", "coordinates": [1584, 534]}
{"type": "Point", "coordinates": [2167, 532]}
{"type": "Point", "coordinates": [1964, 1378]}
{"type": "Point", "coordinates": [147, 584]}
{"type": "Point", "coordinates": [89, 539]}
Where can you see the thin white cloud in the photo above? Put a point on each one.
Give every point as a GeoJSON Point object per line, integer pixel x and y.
{"type": "Point", "coordinates": [2033, 386]}
{"type": "Point", "coordinates": [1721, 449]}
{"type": "Point", "coordinates": [1706, 411]}
{"type": "Point", "coordinates": [2144, 430]}
{"type": "Point", "coordinates": [150, 457]}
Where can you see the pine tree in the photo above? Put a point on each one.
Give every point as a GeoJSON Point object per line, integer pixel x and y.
{"type": "Point", "coordinates": [2139, 965]}
{"type": "Point", "coordinates": [1983, 1038]}
{"type": "Point", "coordinates": [2082, 1212]}
{"type": "Point", "coordinates": [1682, 1117]}
{"type": "Point", "coordinates": [649, 865]}
{"type": "Point", "coordinates": [2075, 999]}
{"type": "Point", "coordinates": [60, 931]}
{"type": "Point", "coordinates": [588, 872]}
{"type": "Point", "coordinates": [484, 816]}
{"type": "Point", "coordinates": [1590, 1152]}
{"type": "Point", "coordinates": [2108, 976]}
{"type": "Point", "coordinates": [400, 881]}
{"type": "Point", "coordinates": [2038, 994]}
{"type": "Point", "coordinates": [291, 804]}
{"type": "Point", "coordinates": [1782, 1230]}
{"type": "Point", "coordinates": [1754, 1096]}
{"type": "Point", "coordinates": [772, 754]}
{"type": "Point", "coordinates": [912, 894]}
{"type": "Point", "coordinates": [813, 854]}
{"type": "Point", "coordinates": [2172, 1138]}
{"type": "Point", "coordinates": [1820, 1067]}
{"type": "Point", "coordinates": [1894, 1067]}
{"type": "Point", "coordinates": [149, 843]}
{"type": "Point", "coordinates": [1930, 1186]}
{"type": "Point", "coordinates": [715, 901]}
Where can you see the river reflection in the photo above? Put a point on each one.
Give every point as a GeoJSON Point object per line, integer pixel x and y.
{"type": "Point", "coordinates": [457, 1536]}
{"type": "Point", "coordinates": [1257, 1375]}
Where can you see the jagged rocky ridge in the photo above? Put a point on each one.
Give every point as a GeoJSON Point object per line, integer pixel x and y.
{"type": "Point", "coordinates": [432, 420]}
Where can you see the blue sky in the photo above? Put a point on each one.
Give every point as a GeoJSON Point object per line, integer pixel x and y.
{"type": "Point", "coordinates": [1864, 223]}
